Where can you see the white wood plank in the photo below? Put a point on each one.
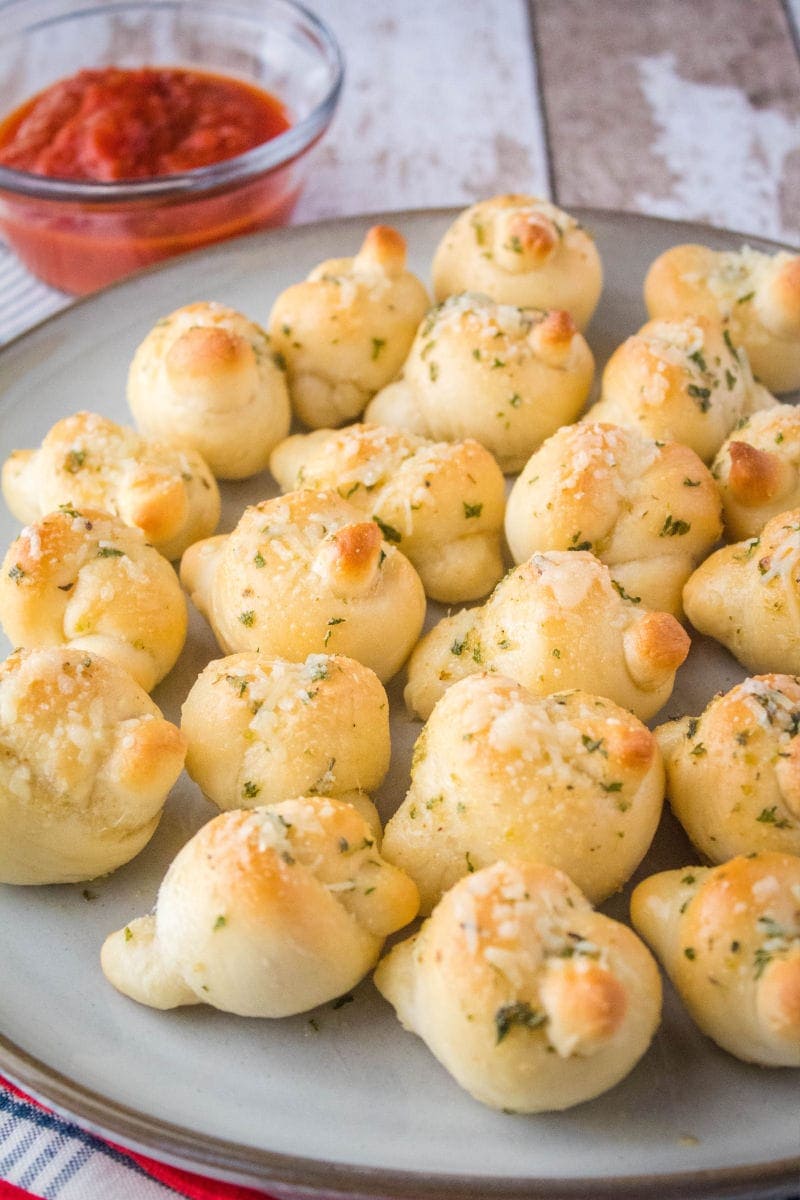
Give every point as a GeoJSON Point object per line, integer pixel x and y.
{"type": "Point", "coordinates": [727, 157]}
{"type": "Point", "coordinates": [439, 107]}
{"type": "Point", "coordinates": [643, 117]}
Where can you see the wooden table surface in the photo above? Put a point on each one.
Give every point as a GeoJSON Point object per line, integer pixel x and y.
{"type": "Point", "coordinates": [687, 109]}
{"type": "Point", "coordinates": [678, 108]}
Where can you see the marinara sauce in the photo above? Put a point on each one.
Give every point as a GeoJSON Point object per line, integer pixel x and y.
{"type": "Point", "coordinates": [112, 125]}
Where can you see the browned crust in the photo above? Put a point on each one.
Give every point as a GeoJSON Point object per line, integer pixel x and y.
{"type": "Point", "coordinates": [557, 329]}
{"type": "Point", "coordinates": [755, 475]}
{"type": "Point", "coordinates": [535, 234]}
{"type": "Point", "coordinates": [386, 247]}
{"type": "Point", "coordinates": [590, 1004]}
{"type": "Point", "coordinates": [204, 350]}
{"type": "Point", "coordinates": [662, 641]}
{"type": "Point", "coordinates": [350, 557]}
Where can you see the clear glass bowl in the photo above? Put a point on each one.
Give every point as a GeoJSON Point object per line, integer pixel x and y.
{"type": "Point", "coordinates": [79, 235]}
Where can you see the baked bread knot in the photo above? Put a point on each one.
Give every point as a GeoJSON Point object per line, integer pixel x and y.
{"type": "Point", "coordinates": [729, 939]}
{"type": "Point", "coordinates": [520, 250]}
{"type": "Point", "coordinates": [650, 510]}
{"type": "Point", "coordinates": [206, 377]}
{"type": "Point", "coordinates": [86, 764]}
{"type": "Point", "coordinates": [747, 596]}
{"type": "Point", "coordinates": [442, 503]}
{"type": "Point", "coordinates": [531, 1000]}
{"type": "Point", "coordinates": [506, 376]}
{"type": "Point", "coordinates": [303, 574]}
{"type": "Point", "coordinates": [733, 773]}
{"type": "Point", "coordinates": [758, 470]}
{"type": "Point", "coordinates": [88, 461]}
{"type": "Point", "coordinates": [345, 331]}
{"type": "Point", "coordinates": [261, 730]}
{"type": "Point", "coordinates": [755, 295]}
{"type": "Point", "coordinates": [553, 623]}
{"type": "Point", "coordinates": [681, 380]}
{"type": "Point", "coordinates": [265, 912]}
{"type": "Point", "coordinates": [87, 580]}
{"type": "Point", "coordinates": [571, 780]}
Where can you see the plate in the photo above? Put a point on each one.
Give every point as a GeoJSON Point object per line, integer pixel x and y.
{"type": "Point", "coordinates": [348, 1104]}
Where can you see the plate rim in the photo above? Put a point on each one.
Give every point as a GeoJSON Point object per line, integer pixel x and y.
{"type": "Point", "coordinates": [238, 1163]}
{"type": "Point", "coordinates": [227, 1160]}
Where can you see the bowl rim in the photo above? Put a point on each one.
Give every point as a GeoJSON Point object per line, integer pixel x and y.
{"type": "Point", "coordinates": [279, 151]}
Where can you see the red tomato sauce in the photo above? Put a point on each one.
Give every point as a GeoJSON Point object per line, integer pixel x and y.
{"type": "Point", "coordinates": [112, 124]}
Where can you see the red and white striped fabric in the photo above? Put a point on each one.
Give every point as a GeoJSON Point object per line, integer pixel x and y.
{"type": "Point", "coordinates": [42, 1155]}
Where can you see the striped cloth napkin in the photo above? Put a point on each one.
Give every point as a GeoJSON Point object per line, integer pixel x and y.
{"type": "Point", "coordinates": [24, 300]}
{"type": "Point", "coordinates": [43, 1155]}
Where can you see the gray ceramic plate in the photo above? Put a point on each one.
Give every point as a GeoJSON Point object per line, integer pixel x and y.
{"type": "Point", "coordinates": [349, 1105]}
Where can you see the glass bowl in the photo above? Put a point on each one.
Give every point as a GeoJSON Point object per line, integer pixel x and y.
{"type": "Point", "coordinates": [79, 236]}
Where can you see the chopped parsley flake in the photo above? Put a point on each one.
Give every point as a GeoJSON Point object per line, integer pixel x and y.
{"type": "Point", "coordinates": [238, 684]}
{"type": "Point", "coordinates": [761, 960]}
{"type": "Point", "coordinates": [769, 816]}
{"type": "Point", "coordinates": [674, 528]}
{"type": "Point", "coordinates": [702, 395]}
{"type": "Point", "coordinates": [726, 333]}
{"type": "Point", "coordinates": [520, 1014]}
{"type": "Point", "coordinates": [472, 510]}
{"type": "Point", "coordinates": [388, 532]}
{"type": "Point", "coordinates": [620, 590]}
{"type": "Point", "coordinates": [576, 544]}
{"type": "Point", "coordinates": [329, 631]}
